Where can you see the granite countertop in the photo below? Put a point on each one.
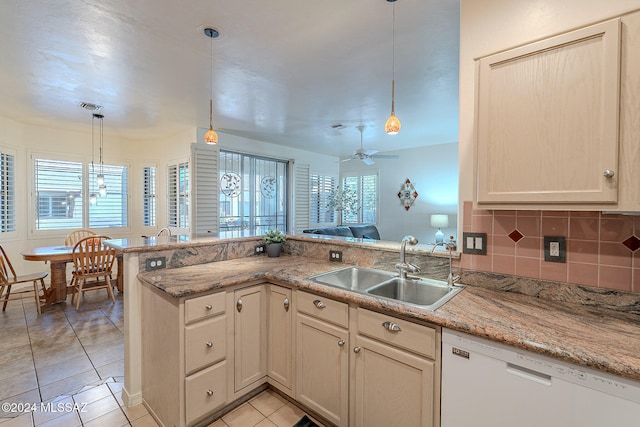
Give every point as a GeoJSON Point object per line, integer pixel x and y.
{"type": "Point", "coordinates": [589, 336]}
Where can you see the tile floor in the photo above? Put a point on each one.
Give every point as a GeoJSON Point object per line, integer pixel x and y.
{"type": "Point", "coordinates": [69, 365]}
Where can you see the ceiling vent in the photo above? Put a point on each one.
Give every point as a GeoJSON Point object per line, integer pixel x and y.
{"type": "Point", "coordinates": [91, 107]}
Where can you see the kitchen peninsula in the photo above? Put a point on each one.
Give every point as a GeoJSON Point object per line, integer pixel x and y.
{"type": "Point", "coordinates": [590, 336]}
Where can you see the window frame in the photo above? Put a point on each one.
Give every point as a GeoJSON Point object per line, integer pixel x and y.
{"type": "Point", "coordinates": [86, 162]}
{"type": "Point", "coordinates": [359, 175]}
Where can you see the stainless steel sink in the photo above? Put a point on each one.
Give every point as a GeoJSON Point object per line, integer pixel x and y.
{"type": "Point", "coordinates": [426, 293]}
{"type": "Point", "coordinates": [354, 278]}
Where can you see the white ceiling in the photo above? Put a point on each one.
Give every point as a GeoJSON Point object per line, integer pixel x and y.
{"type": "Point", "coordinates": [284, 71]}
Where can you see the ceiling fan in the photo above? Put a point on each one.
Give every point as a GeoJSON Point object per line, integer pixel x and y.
{"type": "Point", "coordinates": [368, 155]}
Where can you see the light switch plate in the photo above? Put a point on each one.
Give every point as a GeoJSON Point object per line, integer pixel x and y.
{"type": "Point", "coordinates": [474, 243]}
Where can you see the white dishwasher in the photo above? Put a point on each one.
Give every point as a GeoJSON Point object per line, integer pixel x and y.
{"type": "Point", "coordinates": [485, 383]}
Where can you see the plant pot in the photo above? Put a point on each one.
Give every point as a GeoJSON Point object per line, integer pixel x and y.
{"type": "Point", "coordinates": [274, 249]}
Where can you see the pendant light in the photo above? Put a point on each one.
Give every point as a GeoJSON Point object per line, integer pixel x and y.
{"type": "Point", "coordinates": [392, 126]}
{"type": "Point", "coordinates": [102, 187]}
{"type": "Point", "coordinates": [93, 197]}
{"type": "Point", "coordinates": [211, 137]}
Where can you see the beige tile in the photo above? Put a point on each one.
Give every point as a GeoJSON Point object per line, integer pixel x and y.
{"type": "Point", "coordinates": [243, 416]}
{"type": "Point", "coordinates": [31, 396]}
{"type": "Point", "coordinates": [114, 418]}
{"type": "Point", "coordinates": [265, 423]}
{"type": "Point", "coordinates": [18, 384]}
{"type": "Point", "coordinates": [135, 412]}
{"type": "Point", "coordinates": [113, 369]}
{"type": "Point", "coordinates": [69, 419]}
{"type": "Point", "coordinates": [268, 402]}
{"type": "Point", "coordinates": [146, 421]}
{"type": "Point", "coordinates": [93, 394]}
{"type": "Point", "coordinates": [98, 408]}
{"type": "Point", "coordinates": [56, 372]}
{"type": "Point", "coordinates": [16, 361]}
{"type": "Point", "coordinates": [287, 416]}
{"type": "Point", "coordinates": [23, 420]}
{"type": "Point", "coordinates": [43, 416]}
{"type": "Point", "coordinates": [107, 354]}
{"type": "Point", "coordinates": [218, 423]}
{"type": "Point", "coordinates": [116, 390]}
{"type": "Point", "coordinates": [69, 385]}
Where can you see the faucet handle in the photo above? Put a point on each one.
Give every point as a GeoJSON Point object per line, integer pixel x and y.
{"type": "Point", "coordinates": [412, 268]}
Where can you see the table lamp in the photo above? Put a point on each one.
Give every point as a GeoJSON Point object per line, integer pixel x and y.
{"type": "Point", "coordinates": [439, 221]}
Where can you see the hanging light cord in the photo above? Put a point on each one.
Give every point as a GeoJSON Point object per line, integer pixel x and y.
{"type": "Point", "coordinates": [393, 58]}
{"type": "Point", "coordinates": [101, 139]}
{"type": "Point", "coordinates": [211, 85]}
{"type": "Point", "coordinates": [93, 150]}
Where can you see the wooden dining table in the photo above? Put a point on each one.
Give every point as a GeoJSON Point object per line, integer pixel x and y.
{"type": "Point", "coordinates": [58, 257]}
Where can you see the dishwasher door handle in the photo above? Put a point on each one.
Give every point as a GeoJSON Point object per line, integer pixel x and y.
{"type": "Point", "coordinates": [529, 374]}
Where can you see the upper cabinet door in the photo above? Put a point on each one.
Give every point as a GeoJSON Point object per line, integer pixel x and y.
{"type": "Point", "coordinates": [548, 120]}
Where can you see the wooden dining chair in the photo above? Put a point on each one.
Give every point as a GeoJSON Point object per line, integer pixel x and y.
{"type": "Point", "coordinates": [75, 236]}
{"type": "Point", "coordinates": [9, 278]}
{"type": "Point", "coordinates": [164, 232]}
{"type": "Point", "coordinates": [92, 265]}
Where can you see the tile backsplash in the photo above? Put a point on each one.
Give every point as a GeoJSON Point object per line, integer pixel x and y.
{"type": "Point", "coordinates": [602, 250]}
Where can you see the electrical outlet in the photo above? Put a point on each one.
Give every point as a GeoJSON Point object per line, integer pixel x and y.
{"type": "Point", "coordinates": [335, 256]}
{"type": "Point", "coordinates": [474, 243]}
{"type": "Point", "coordinates": [155, 263]}
{"type": "Point", "coordinates": [555, 249]}
{"type": "Point", "coordinates": [258, 249]}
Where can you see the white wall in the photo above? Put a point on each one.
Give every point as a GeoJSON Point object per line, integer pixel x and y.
{"type": "Point", "coordinates": [434, 172]}
{"type": "Point", "coordinates": [489, 26]}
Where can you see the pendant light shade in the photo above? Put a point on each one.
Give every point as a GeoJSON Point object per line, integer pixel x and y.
{"type": "Point", "coordinates": [100, 181]}
{"type": "Point", "coordinates": [211, 137]}
{"type": "Point", "coordinates": [393, 125]}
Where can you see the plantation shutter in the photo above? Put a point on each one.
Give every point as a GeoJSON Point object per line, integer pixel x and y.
{"type": "Point", "coordinates": [205, 205]}
{"type": "Point", "coordinates": [149, 192]}
{"type": "Point", "coordinates": [7, 193]}
{"type": "Point", "coordinates": [301, 196]}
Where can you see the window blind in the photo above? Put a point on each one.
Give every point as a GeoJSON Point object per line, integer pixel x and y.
{"type": "Point", "coordinates": [58, 194]}
{"type": "Point", "coordinates": [178, 197]}
{"type": "Point", "coordinates": [110, 210]}
{"type": "Point", "coordinates": [149, 194]}
{"type": "Point", "coordinates": [7, 193]}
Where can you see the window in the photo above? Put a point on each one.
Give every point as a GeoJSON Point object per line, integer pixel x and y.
{"type": "Point", "coordinates": [253, 194]}
{"type": "Point", "coordinates": [365, 187]}
{"type": "Point", "coordinates": [109, 210]}
{"type": "Point", "coordinates": [321, 188]}
{"type": "Point", "coordinates": [62, 193]}
{"type": "Point", "coordinates": [178, 195]}
{"type": "Point", "coordinates": [149, 194]}
{"type": "Point", "coordinates": [7, 193]}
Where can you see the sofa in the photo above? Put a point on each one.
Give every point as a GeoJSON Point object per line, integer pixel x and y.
{"type": "Point", "coordinates": [364, 231]}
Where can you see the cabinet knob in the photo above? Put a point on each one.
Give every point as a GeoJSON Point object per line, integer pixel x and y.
{"type": "Point", "coordinates": [608, 173]}
{"type": "Point", "coordinates": [209, 344]}
{"type": "Point", "coordinates": [208, 307]}
{"type": "Point", "coordinates": [356, 349]}
{"type": "Point", "coordinates": [209, 392]}
{"type": "Point", "coordinates": [341, 343]}
{"type": "Point", "coordinates": [390, 326]}
{"type": "Point", "coordinates": [286, 304]}
{"type": "Point", "coordinates": [239, 305]}
{"type": "Point", "coordinates": [319, 304]}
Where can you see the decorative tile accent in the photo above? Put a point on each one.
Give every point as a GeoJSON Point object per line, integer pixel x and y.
{"type": "Point", "coordinates": [515, 235]}
{"type": "Point", "coordinates": [633, 243]}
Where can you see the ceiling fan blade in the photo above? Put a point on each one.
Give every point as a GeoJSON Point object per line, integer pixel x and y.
{"type": "Point", "coordinates": [386, 156]}
{"type": "Point", "coordinates": [368, 161]}
{"type": "Point", "coordinates": [346, 160]}
{"type": "Point", "coordinates": [370, 152]}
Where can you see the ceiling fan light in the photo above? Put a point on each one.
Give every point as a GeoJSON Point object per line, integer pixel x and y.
{"type": "Point", "coordinates": [393, 125]}
{"type": "Point", "coordinates": [211, 137]}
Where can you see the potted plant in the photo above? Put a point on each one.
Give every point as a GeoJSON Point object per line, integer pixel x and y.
{"type": "Point", "coordinates": [274, 240]}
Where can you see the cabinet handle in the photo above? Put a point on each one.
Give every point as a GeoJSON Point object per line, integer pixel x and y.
{"type": "Point", "coordinates": [209, 392]}
{"type": "Point", "coordinates": [356, 349]}
{"type": "Point", "coordinates": [239, 305]}
{"type": "Point", "coordinates": [208, 307]}
{"type": "Point", "coordinates": [390, 326]}
{"type": "Point", "coordinates": [209, 344]}
{"type": "Point", "coordinates": [286, 304]}
{"type": "Point", "coordinates": [319, 304]}
{"type": "Point", "coordinates": [608, 173]}
{"type": "Point", "coordinates": [341, 343]}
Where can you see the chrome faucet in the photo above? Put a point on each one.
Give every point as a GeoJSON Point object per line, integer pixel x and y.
{"type": "Point", "coordinates": [403, 267]}
{"type": "Point", "coordinates": [448, 247]}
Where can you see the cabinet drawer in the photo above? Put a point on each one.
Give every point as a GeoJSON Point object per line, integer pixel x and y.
{"type": "Point", "coordinates": [411, 336]}
{"type": "Point", "coordinates": [205, 343]}
{"type": "Point", "coordinates": [205, 391]}
{"type": "Point", "coordinates": [324, 308]}
{"type": "Point", "coordinates": [202, 307]}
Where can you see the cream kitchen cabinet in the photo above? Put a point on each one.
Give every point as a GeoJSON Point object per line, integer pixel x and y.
{"type": "Point", "coordinates": [250, 338]}
{"type": "Point", "coordinates": [395, 375]}
{"type": "Point", "coordinates": [322, 363]}
{"type": "Point", "coordinates": [185, 369]}
{"type": "Point", "coordinates": [547, 118]}
{"type": "Point", "coordinates": [280, 338]}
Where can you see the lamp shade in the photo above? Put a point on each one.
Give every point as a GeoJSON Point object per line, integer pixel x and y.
{"type": "Point", "coordinates": [439, 221]}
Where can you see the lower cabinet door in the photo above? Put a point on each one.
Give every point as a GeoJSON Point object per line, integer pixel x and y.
{"type": "Point", "coordinates": [392, 387]}
{"type": "Point", "coordinates": [205, 391]}
{"type": "Point", "coordinates": [279, 343]}
{"type": "Point", "coordinates": [322, 368]}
